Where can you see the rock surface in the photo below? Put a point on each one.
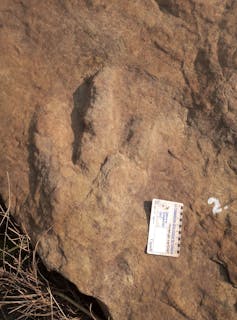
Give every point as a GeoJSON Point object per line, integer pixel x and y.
{"type": "Point", "coordinates": [104, 106]}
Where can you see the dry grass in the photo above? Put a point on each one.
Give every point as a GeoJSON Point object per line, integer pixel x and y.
{"type": "Point", "coordinates": [25, 293]}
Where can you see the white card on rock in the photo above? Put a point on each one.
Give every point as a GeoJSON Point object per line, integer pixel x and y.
{"type": "Point", "coordinates": [165, 228]}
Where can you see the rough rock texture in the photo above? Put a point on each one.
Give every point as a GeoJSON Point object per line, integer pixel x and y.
{"type": "Point", "coordinates": [104, 106]}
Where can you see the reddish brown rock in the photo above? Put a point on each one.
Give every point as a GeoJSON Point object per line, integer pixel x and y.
{"type": "Point", "coordinates": [105, 106]}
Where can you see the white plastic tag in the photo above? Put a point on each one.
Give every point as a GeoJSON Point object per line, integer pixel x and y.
{"type": "Point", "coordinates": [165, 228]}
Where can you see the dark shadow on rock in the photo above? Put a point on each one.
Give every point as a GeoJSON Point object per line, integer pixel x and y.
{"type": "Point", "coordinates": [2, 204]}
{"type": "Point", "coordinates": [81, 99]}
{"type": "Point", "coordinates": [62, 285]}
{"type": "Point", "coordinates": [168, 7]}
{"type": "Point", "coordinates": [147, 208]}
